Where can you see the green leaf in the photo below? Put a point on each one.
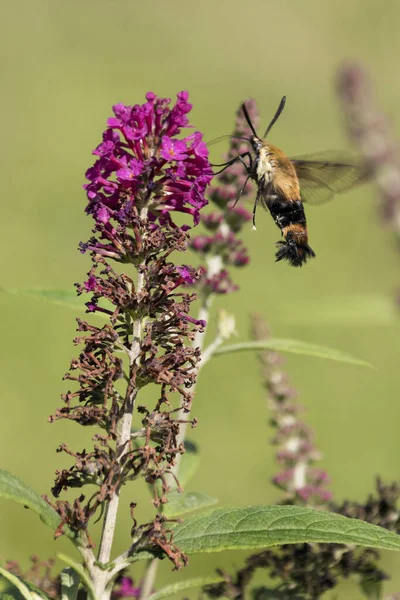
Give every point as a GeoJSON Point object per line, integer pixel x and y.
{"type": "Point", "coordinates": [181, 586]}
{"type": "Point", "coordinates": [185, 502]}
{"type": "Point", "coordinates": [293, 346]}
{"type": "Point", "coordinates": [255, 527]}
{"type": "Point", "coordinates": [27, 591]}
{"type": "Point", "coordinates": [13, 488]}
{"type": "Point", "coordinates": [66, 298]}
{"type": "Point", "coordinates": [69, 584]}
{"type": "Point", "coordinates": [63, 297]}
{"type": "Point", "coordinates": [16, 582]}
{"type": "Point", "coordinates": [189, 463]}
{"type": "Point", "coordinates": [143, 555]}
{"type": "Point", "coordinates": [82, 574]}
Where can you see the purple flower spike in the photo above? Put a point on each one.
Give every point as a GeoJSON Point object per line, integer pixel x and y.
{"type": "Point", "coordinates": [143, 174]}
{"type": "Point", "coordinates": [141, 163]}
{"type": "Point", "coordinates": [301, 482]}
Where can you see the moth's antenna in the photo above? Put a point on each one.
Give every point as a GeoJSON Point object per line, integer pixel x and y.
{"type": "Point", "coordinates": [276, 117]}
{"type": "Point", "coordinates": [226, 137]}
{"type": "Point", "coordinates": [247, 117]}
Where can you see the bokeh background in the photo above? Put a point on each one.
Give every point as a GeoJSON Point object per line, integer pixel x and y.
{"type": "Point", "coordinates": [64, 63]}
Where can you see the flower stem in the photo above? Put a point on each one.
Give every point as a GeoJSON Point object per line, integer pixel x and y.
{"type": "Point", "coordinates": [110, 518]}
{"type": "Point", "coordinates": [122, 443]}
{"type": "Point", "coordinates": [198, 342]}
{"type": "Point", "coordinates": [149, 578]}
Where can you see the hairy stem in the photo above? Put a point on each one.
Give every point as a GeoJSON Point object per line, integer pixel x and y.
{"type": "Point", "coordinates": [149, 579]}
{"type": "Point", "coordinates": [122, 446]}
{"type": "Point", "coordinates": [198, 342]}
{"type": "Point", "coordinates": [112, 506]}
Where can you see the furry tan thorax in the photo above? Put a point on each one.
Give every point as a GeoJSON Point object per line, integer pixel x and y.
{"type": "Point", "coordinates": [276, 168]}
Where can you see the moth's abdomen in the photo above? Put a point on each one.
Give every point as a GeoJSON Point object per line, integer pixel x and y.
{"type": "Point", "coordinates": [286, 213]}
{"type": "Point", "coordinates": [291, 219]}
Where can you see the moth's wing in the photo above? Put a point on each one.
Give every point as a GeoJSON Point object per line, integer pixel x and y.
{"type": "Point", "coordinates": [324, 174]}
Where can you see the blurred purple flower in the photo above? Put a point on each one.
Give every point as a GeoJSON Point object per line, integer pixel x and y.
{"type": "Point", "coordinates": [126, 589]}
{"type": "Point", "coordinates": [220, 248]}
{"type": "Point", "coordinates": [297, 453]}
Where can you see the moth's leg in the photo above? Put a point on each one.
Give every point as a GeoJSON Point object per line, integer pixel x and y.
{"type": "Point", "coordinates": [231, 162]}
{"type": "Point", "coordinates": [241, 191]}
{"type": "Point", "coordinates": [256, 201]}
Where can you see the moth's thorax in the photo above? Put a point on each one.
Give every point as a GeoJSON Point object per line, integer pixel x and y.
{"type": "Point", "coordinates": [274, 167]}
{"type": "Point", "coordinates": [265, 165]}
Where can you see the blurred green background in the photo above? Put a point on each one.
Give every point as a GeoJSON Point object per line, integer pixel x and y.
{"type": "Point", "coordinates": [63, 65]}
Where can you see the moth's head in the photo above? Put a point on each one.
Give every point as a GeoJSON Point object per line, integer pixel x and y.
{"type": "Point", "coordinates": [256, 143]}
